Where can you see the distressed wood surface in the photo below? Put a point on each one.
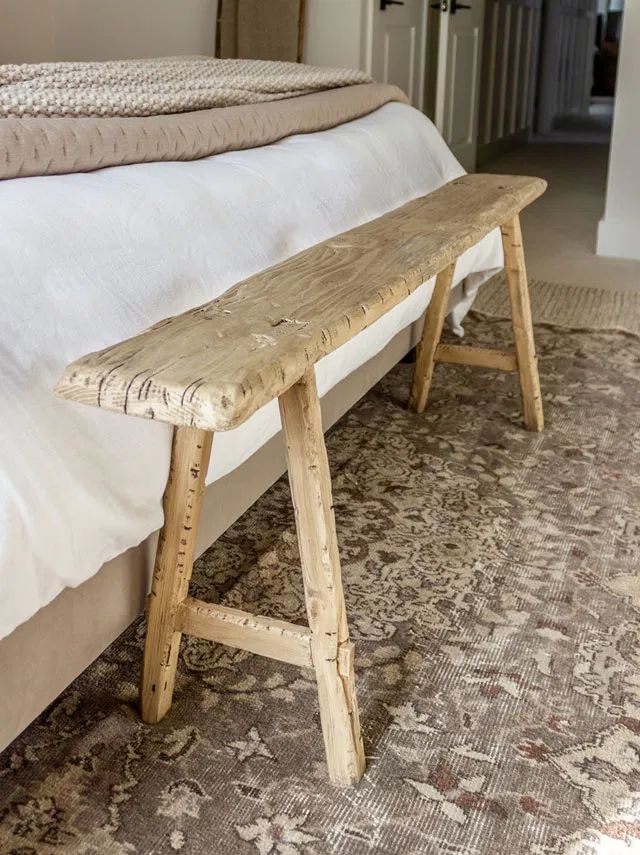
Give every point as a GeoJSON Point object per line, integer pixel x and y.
{"type": "Point", "coordinates": [523, 360]}
{"type": "Point", "coordinates": [482, 357]}
{"type": "Point", "coordinates": [182, 505]}
{"type": "Point", "coordinates": [516, 271]}
{"type": "Point", "coordinates": [213, 367]}
{"type": "Point", "coordinates": [277, 639]}
{"type": "Point", "coordinates": [431, 332]}
{"type": "Point", "coordinates": [315, 523]}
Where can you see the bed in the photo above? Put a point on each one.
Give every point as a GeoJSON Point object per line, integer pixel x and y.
{"type": "Point", "coordinates": [80, 491]}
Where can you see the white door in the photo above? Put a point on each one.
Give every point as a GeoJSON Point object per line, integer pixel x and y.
{"type": "Point", "coordinates": [398, 45]}
{"type": "Point", "coordinates": [566, 68]}
{"type": "Point", "coordinates": [458, 85]}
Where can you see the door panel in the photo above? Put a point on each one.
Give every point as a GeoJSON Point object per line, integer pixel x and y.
{"type": "Point", "coordinates": [399, 58]}
{"type": "Point", "coordinates": [461, 119]}
{"type": "Point", "coordinates": [458, 87]}
{"type": "Point", "coordinates": [399, 46]}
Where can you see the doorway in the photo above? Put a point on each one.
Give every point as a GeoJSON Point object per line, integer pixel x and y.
{"type": "Point", "coordinates": [566, 141]}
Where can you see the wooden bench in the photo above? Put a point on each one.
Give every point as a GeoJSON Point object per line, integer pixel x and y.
{"type": "Point", "coordinates": [209, 369]}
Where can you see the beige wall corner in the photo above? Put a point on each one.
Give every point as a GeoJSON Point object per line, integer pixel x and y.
{"type": "Point", "coordinates": [66, 30]}
{"type": "Point", "coordinates": [619, 230]}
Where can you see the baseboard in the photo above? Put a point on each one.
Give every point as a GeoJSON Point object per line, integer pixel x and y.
{"type": "Point", "coordinates": [489, 151]}
{"type": "Point", "coordinates": [619, 239]}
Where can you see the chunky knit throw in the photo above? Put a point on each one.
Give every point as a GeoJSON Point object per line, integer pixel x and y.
{"type": "Point", "coordinates": [154, 87]}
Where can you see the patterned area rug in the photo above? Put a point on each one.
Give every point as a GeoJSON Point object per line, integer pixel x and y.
{"type": "Point", "coordinates": [492, 584]}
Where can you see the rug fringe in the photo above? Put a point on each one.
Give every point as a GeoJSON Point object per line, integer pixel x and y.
{"type": "Point", "coordinates": [572, 306]}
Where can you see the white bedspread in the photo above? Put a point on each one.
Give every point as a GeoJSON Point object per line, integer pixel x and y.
{"type": "Point", "coordinates": [89, 259]}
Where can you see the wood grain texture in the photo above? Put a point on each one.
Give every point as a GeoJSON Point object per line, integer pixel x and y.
{"type": "Point", "coordinates": [431, 332]}
{"type": "Point", "coordinates": [482, 357]}
{"type": "Point", "coordinates": [213, 367]}
{"type": "Point", "coordinates": [182, 504]}
{"type": "Point", "coordinates": [277, 639]}
{"type": "Point", "coordinates": [522, 325]}
{"type": "Point", "coordinates": [315, 523]}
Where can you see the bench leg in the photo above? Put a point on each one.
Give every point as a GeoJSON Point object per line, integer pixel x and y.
{"type": "Point", "coordinates": [522, 325]}
{"type": "Point", "coordinates": [182, 504]}
{"type": "Point", "coordinates": [433, 323]}
{"type": "Point", "coordinates": [524, 360]}
{"type": "Point", "coordinates": [331, 649]}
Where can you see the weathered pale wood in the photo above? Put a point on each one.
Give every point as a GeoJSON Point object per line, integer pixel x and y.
{"type": "Point", "coordinates": [522, 324]}
{"type": "Point", "coordinates": [213, 367]}
{"type": "Point", "coordinates": [431, 332]}
{"type": "Point", "coordinates": [315, 523]}
{"type": "Point", "coordinates": [482, 357]}
{"type": "Point", "coordinates": [182, 503]}
{"type": "Point", "coordinates": [277, 639]}
{"type": "Point", "coordinates": [524, 360]}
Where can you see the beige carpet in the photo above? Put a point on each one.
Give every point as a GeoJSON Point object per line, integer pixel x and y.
{"type": "Point", "coordinates": [491, 578]}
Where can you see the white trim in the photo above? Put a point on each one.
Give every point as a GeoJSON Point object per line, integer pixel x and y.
{"type": "Point", "coordinates": [619, 239]}
{"type": "Point", "coordinates": [423, 55]}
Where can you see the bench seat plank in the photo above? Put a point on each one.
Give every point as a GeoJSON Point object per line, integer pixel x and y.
{"type": "Point", "coordinates": [212, 367]}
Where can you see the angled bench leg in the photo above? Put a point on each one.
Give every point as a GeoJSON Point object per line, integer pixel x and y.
{"type": "Point", "coordinates": [182, 503]}
{"type": "Point", "coordinates": [522, 325]}
{"type": "Point", "coordinates": [524, 360]}
{"type": "Point", "coordinates": [331, 649]}
{"type": "Point", "coordinates": [432, 330]}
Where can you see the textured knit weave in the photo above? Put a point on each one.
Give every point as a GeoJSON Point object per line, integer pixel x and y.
{"type": "Point", "coordinates": [566, 305]}
{"type": "Point", "coordinates": [153, 87]}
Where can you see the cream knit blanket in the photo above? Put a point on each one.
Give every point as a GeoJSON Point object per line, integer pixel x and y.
{"type": "Point", "coordinates": [154, 87]}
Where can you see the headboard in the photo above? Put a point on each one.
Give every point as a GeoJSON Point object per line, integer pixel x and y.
{"type": "Point", "coordinates": [260, 29]}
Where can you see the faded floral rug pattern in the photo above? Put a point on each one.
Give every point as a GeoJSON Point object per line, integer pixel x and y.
{"type": "Point", "coordinates": [493, 589]}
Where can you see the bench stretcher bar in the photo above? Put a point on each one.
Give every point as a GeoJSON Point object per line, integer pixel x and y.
{"type": "Point", "coordinates": [481, 357]}
{"type": "Point", "coordinates": [266, 636]}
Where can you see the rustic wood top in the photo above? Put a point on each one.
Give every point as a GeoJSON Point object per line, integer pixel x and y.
{"type": "Point", "coordinates": [214, 366]}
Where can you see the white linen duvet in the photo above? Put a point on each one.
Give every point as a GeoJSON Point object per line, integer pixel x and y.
{"type": "Point", "coordinates": [89, 259]}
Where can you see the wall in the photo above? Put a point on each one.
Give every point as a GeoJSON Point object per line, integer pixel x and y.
{"type": "Point", "coordinates": [619, 231]}
{"type": "Point", "coordinates": [49, 30]}
{"type": "Point", "coordinates": [334, 33]}
{"type": "Point", "coordinates": [509, 74]}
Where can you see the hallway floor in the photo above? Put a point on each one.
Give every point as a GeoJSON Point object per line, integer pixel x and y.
{"type": "Point", "coordinates": [560, 229]}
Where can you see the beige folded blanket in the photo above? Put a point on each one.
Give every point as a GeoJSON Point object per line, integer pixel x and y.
{"type": "Point", "coordinates": [175, 109]}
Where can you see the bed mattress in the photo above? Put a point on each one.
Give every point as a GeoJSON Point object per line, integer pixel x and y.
{"type": "Point", "coordinates": [89, 259]}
